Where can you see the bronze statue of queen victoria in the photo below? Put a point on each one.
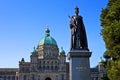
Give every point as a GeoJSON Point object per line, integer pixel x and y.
{"type": "Point", "coordinates": [78, 33]}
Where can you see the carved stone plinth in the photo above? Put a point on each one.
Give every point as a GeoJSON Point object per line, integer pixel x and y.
{"type": "Point", "coordinates": [79, 64]}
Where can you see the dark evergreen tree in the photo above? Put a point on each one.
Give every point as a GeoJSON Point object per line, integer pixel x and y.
{"type": "Point", "coordinates": [110, 22]}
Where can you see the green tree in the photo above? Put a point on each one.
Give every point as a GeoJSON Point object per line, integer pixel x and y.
{"type": "Point", "coordinates": [110, 22]}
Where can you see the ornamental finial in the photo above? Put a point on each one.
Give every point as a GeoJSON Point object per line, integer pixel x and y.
{"type": "Point", "coordinates": [47, 31]}
{"type": "Point", "coordinates": [34, 47]}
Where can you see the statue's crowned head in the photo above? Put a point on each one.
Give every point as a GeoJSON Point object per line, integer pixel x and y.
{"type": "Point", "coordinates": [76, 10]}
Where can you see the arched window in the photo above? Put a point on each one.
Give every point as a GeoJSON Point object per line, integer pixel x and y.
{"type": "Point", "coordinates": [39, 77]}
{"type": "Point", "coordinates": [4, 77]}
{"type": "Point", "coordinates": [43, 67]}
{"type": "Point", "coordinates": [51, 62]}
{"type": "Point", "coordinates": [55, 62]}
{"type": "Point", "coordinates": [56, 77]}
{"type": "Point", "coordinates": [33, 77]}
{"type": "Point", "coordinates": [16, 77]}
{"type": "Point", "coordinates": [39, 67]}
{"type": "Point", "coordinates": [8, 77]}
{"type": "Point", "coordinates": [43, 62]}
{"type": "Point", "coordinates": [51, 67]}
{"type": "Point", "coordinates": [47, 62]}
{"type": "Point", "coordinates": [62, 76]}
{"type": "Point", "coordinates": [47, 67]}
{"type": "Point", "coordinates": [62, 68]}
{"type": "Point", "coordinates": [24, 77]}
{"type": "Point", "coordinates": [56, 67]}
{"type": "Point", "coordinates": [13, 77]}
{"type": "Point", "coordinates": [23, 69]}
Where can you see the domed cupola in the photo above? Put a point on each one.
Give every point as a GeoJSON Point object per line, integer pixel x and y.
{"type": "Point", "coordinates": [47, 47]}
{"type": "Point", "coordinates": [34, 51]}
{"type": "Point", "coordinates": [62, 51]}
{"type": "Point", "coordinates": [47, 39]}
{"type": "Point", "coordinates": [101, 60]}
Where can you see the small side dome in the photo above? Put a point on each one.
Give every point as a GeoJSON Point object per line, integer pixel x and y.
{"type": "Point", "coordinates": [47, 39]}
{"type": "Point", "coordinates": [101, 60]}
{"type": "Point", "coordinates": [22, 60]}
{"type": "Point", "coordinates": [62, 51]}
{"type": "Point", "coordinates": [35, 51]}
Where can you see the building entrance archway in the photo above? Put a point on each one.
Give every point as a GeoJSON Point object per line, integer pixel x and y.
{"type": "Point", "coordinates": [48, 78]}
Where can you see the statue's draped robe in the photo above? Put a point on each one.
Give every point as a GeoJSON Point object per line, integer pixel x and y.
{"type": "Point", "coordinates": [78, 34]}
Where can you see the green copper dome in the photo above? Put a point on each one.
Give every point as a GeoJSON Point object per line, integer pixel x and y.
{"type": "Point", "coordinates": [101, 60]}
{"type": "Point", "coordinates": [62, 51]}
{"type": "Point", "coordinates": [35, 51]}
{"type": "Point", "coordinates": [47, 39]}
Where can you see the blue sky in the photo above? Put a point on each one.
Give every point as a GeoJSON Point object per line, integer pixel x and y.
{"type": "Point", "coordinates": [23, 24]}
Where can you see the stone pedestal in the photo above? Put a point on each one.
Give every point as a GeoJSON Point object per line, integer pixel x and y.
{"type": "Point", "coordinates": [79, 65]}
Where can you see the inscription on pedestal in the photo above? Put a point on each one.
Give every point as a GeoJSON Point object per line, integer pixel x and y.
{"type": "Point", "coordinates": [81, 68]}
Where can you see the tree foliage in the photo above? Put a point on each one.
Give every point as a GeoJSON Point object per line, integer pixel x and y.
{"type": "Point", "coordinates": [110, 22]}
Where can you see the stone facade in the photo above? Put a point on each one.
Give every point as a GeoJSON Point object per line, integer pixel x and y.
{"type": "Point", "coordinates": [98, 72]}
{"type": "Point", "coordinates": [47, 63]}
{"type": "Point", "coordinates": [13, 73]}
{"type": "Point", "coordinates": [8, 73]}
